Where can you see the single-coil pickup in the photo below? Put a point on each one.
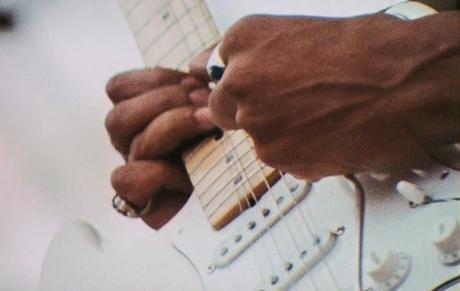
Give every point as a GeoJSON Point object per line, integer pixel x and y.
{"type": "Point", "coordinates": [262, 216]}
{"type": "Point", "coordinates": [299, 265]}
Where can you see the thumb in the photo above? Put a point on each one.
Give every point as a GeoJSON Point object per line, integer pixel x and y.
{"type": "Point", "coordinates": [197, 66]}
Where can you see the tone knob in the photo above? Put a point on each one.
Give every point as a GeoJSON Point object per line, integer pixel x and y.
{"type": "Point", "coordinates": [411, 192]}
{"type": "Point", "coordinates": [379, 176]}
{"type": "Point", "coordinates": [389, 269]}
{"type": "Point", "coordinates": [446, 239]}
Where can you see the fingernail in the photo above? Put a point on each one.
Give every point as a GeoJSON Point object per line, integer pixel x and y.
{"type": "Point", "coordinates": [203, 117]}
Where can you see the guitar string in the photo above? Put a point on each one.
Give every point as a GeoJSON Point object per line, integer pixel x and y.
{"type": "Point", "coordinates": [214, 165]}
{"type": "Point", "coordinates": [186, 34]}
{"type": "Point", "coordinates": [257, 259]}
{"type": "Point", "coordinates": [234, 178]}
{"type": "Point", "coordinates": [203, 45]}
{"type": "Point", "coordinates": [226, 198]}
{"type": "Point", "coordinates": [185, 59]}
{"type": "Point", "coordinates": [261, 274]}
{"type": "Point", "coordinates": [303, 217]}
{"type": "Point", "coordinates": [267, 227]}
{"type": "Point", "coordinates": [282, 218]}
{"type": "Point", "coordinates": [130, 10]}
{"type": "Point", "coordinates": [292, 237]}
{"type": "Point", "coordinates": [220, 175]}
{"type": "Point", "coordinates": [146, 21]}
{"type": "Point", "coordinates": [163, 32]}
{"type": "Point", "coordinates": [309, 227]}
{"type": "Point", "coordinates": [296, 206]}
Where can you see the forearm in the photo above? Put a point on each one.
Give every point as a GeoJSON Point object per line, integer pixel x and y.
{"type": "Point", "coordinates": [425, 95]}
{"type": "Point", "coordinates": [413, 70]}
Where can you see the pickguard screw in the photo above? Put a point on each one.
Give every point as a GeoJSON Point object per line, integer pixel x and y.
{"type": "Point", "coordinates": [211, 269]}
{"type": "Point", "coordinates": [289, 266]}
{"type": "Point", "coordinates": [265, 212]}
{"type": "Point", "coordinates": [444, 175]}
{"type": "Point", "coordinates": [340, 230]}
{"type": "Point", "coordinates": [317, 240]}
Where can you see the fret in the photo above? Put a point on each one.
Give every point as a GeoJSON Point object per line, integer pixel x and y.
{"type": "Point", "coordinates": [233, 182]}
{"type": "Point", "coordinates": [225, 177]}
{"type": "Point", "coordinates": [230, 206]}
{"type": "Point", "coordinates": [226, 173]}
{"type": "Point", "coordinates": [204, 152]}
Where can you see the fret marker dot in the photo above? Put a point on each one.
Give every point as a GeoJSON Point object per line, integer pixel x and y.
{"type": "Point", "coordinates": [237, 180]}
{"type": "Point", "coordinates": [165, 15]}
{"type": "Point", "coordinates": [229, 158]}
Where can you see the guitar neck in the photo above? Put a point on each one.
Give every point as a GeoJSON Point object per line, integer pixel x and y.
{"type": "Point", "coordinates": [226, 173]}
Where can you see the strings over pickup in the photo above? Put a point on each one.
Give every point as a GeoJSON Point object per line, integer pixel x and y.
{"type": "Point", "coordinates": [228, 177]}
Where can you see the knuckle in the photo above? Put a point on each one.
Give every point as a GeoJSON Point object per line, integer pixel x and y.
{"type": "Point", "coordinates": [116, 124]}
{"type": "Point", "coordinates": [239, 34]}
{"type": "Point", "coordinates": [118, 178]}
{"type": "Point", "coordinates": [137, 148]}
{"type": "Point", "coordinates": [245, 22]}
{"type": "Point", "coordinates": [240, 78]}
{"type": "Point", "coordinates": [265, 154]}
{"type": "Point", "coordinates": [111, 121]}
{"type": "Point", "coordinates": [113, 85]}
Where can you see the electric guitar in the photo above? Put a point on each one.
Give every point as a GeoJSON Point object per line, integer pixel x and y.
{"type": "Point", "coordinates": [250, 227]}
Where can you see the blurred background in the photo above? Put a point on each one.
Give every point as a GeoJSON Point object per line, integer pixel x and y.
{"type": "Point", "coordinates": [55, 156]}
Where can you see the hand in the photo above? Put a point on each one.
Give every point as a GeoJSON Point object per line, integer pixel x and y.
{"type": "Point", "coordinates": [155, 112]}
{"type": "Point", "coordinates": [324, 97]}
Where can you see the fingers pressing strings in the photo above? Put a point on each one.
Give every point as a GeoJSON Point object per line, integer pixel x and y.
{"type": "Point", "coordinates": [130, 84]}
{"type": "Point", "coordinates": [130, 116]}
{"type": "Point", "coordinates": [168, 132]}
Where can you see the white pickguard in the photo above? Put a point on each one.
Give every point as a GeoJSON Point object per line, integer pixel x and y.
{"type": "Point", "coordinates": [77, 261]}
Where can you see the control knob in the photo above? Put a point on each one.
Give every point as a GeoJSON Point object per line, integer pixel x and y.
{"type": "Point", "coordinates": [389, 269]}
{"type": "Point", "coordinates": [446, 239]}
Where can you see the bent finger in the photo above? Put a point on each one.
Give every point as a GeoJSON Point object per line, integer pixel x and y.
{"type": "Point", "coordinates": [131, 116]}
{"type": "Point", "coordinates": [126, 85]}
{"type": "Point", "coordinates": [168, 132]}
{"type": "Point", "coordinates": [139, 181]}
{"type": "Point", "coordinates": [223, 108]}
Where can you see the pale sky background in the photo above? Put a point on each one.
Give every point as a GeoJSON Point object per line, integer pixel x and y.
{"type": "Point", "coordinates": [55, 157]}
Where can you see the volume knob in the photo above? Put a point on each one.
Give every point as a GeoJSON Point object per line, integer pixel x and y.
{"type": "Point", "coordinates": [389, 269]}
{"type": "Point", "coordinates": [411, 192]}
{"type": "Point", "coordinates": [446, 239]}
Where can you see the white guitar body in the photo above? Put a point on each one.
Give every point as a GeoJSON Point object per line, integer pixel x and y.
{"type": "Point", "coordinates": [77, 259]}
{"type": "Point", "coordinates": [334, 223]}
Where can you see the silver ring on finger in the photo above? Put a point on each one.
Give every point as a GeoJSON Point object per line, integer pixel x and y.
{"type": "Point", "coordinates": [127, 209]}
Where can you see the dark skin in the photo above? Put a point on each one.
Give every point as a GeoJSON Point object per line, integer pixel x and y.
{"type": "Point", "coordinates": [319, 97]}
